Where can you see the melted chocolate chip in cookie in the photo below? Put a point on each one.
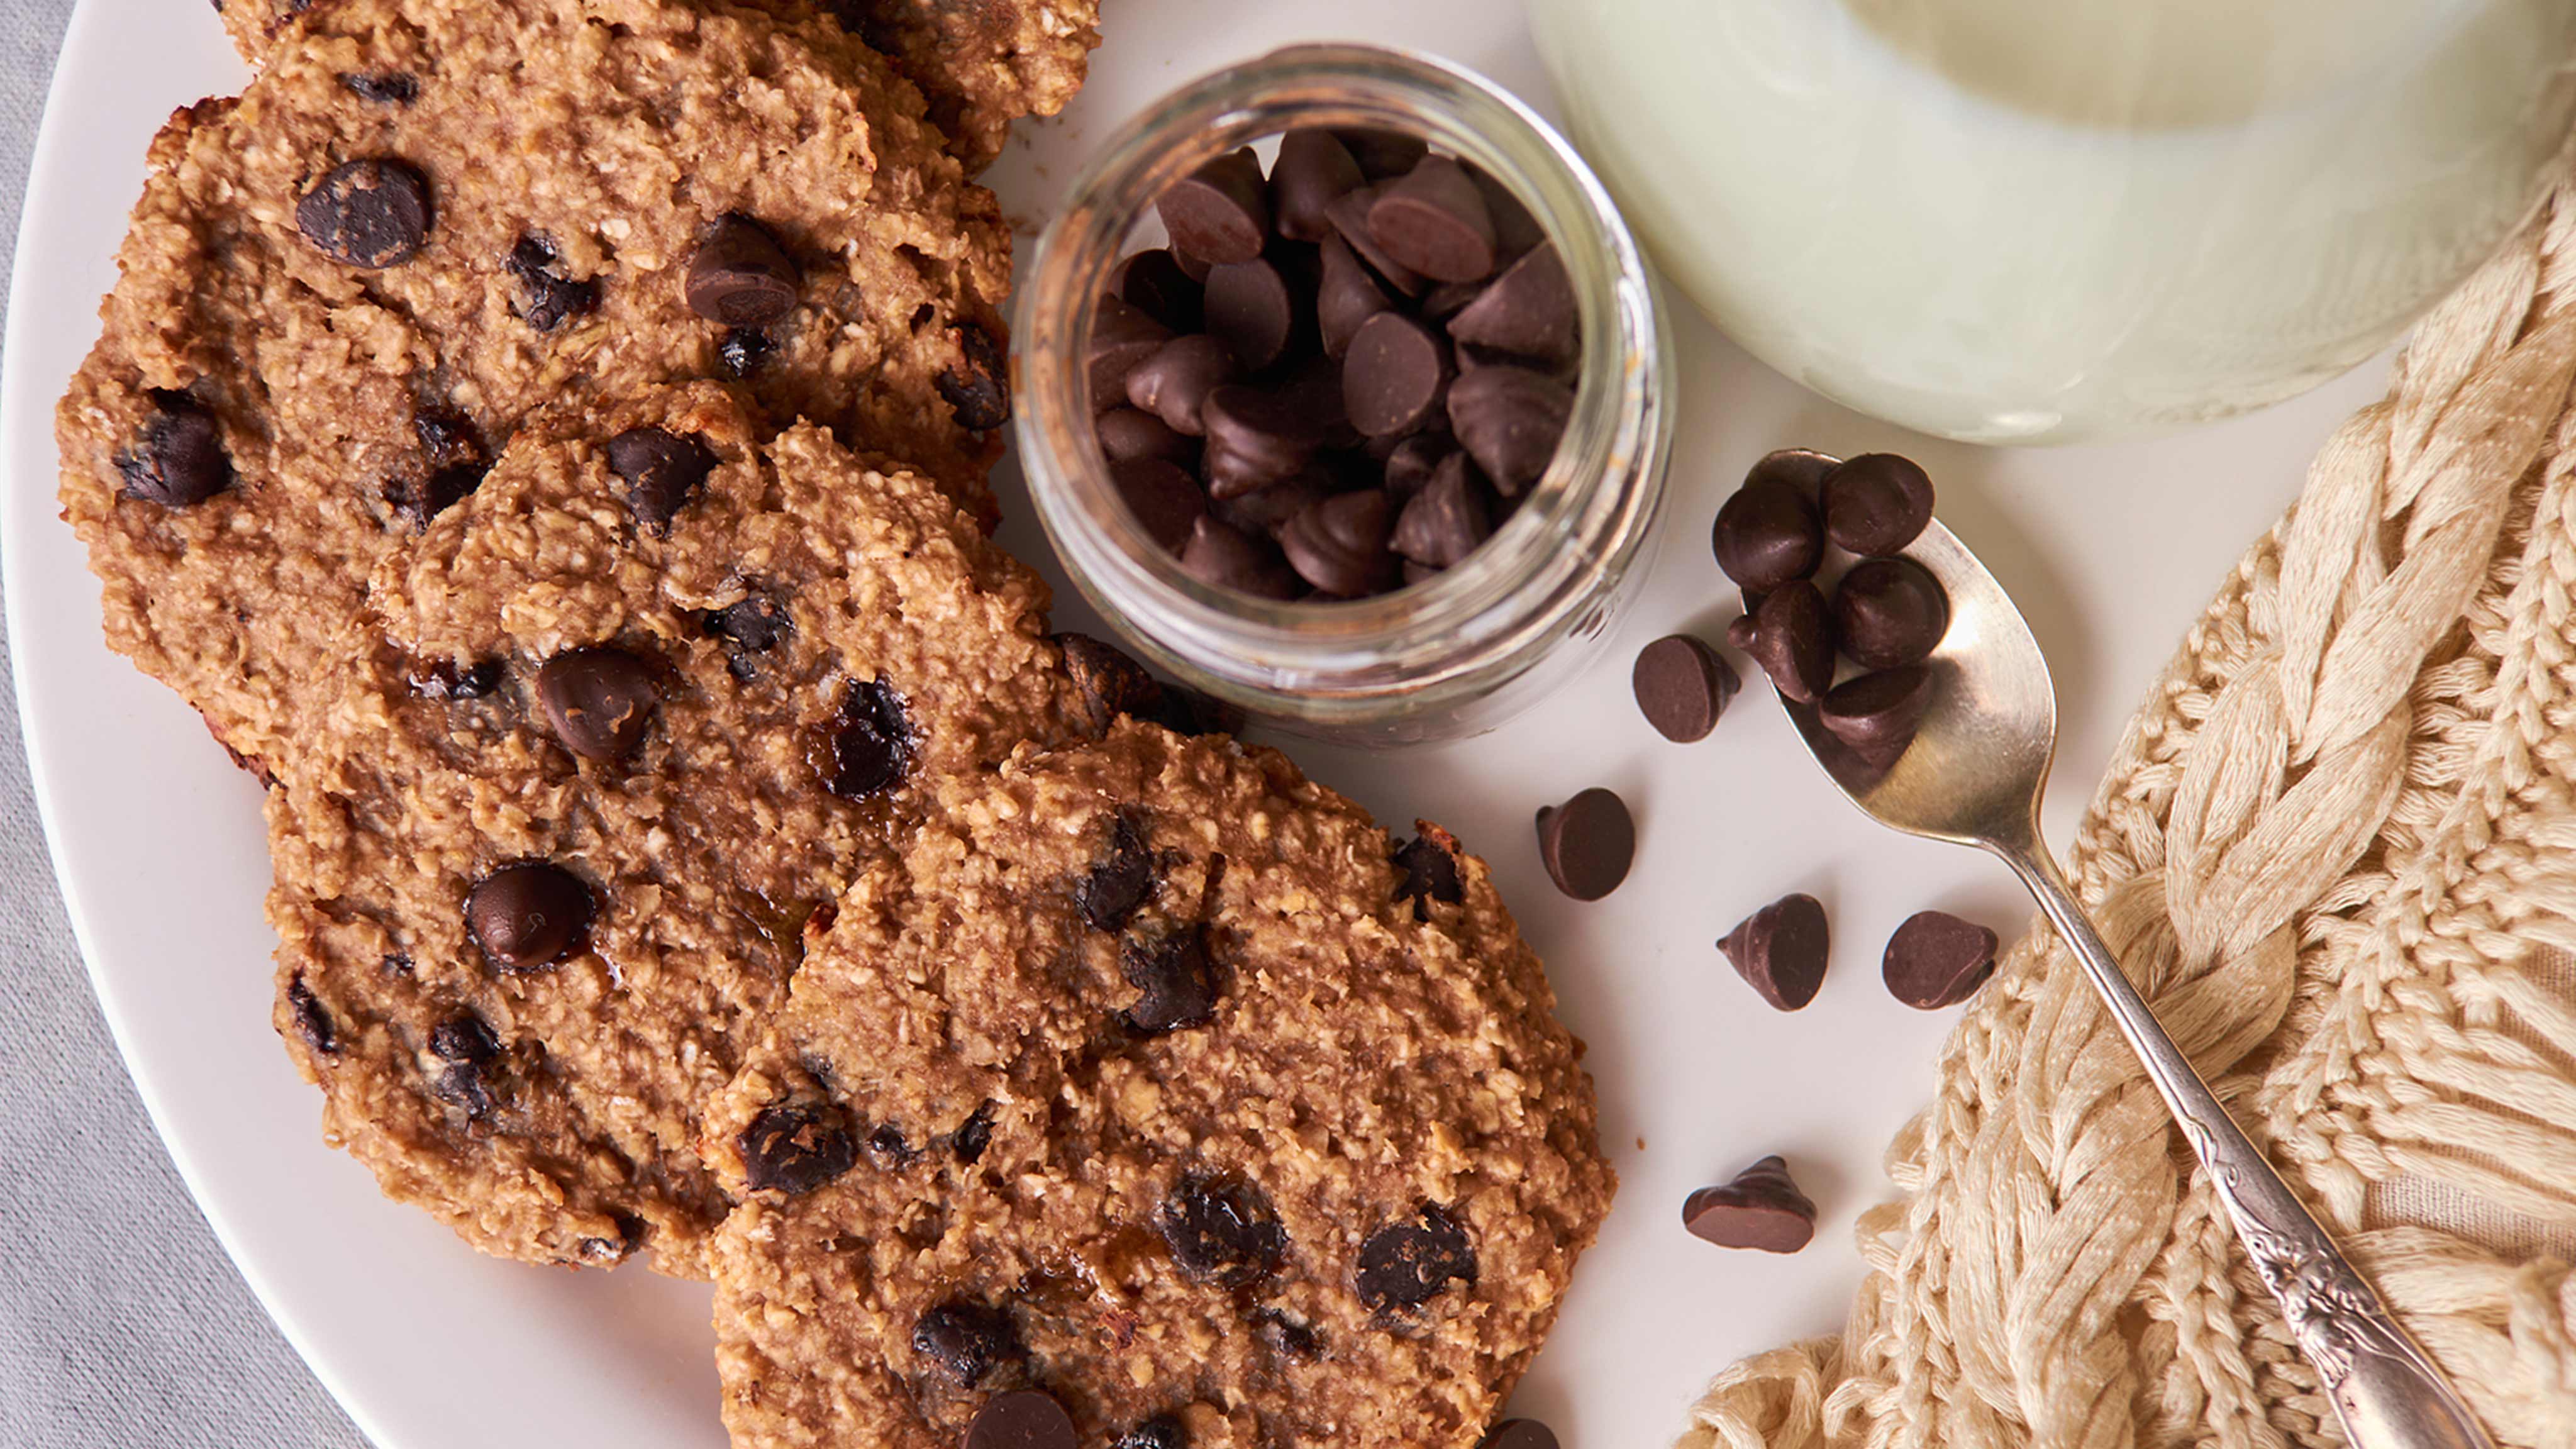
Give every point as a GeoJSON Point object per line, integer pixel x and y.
{"type": "Point", "coordinates": [598, 701]}
{"type": "Point", "coordinates": [1430, 873]}
{"type": "Point", "coordinates": [865, 748]}
{"type": "Point", "coordinates": [454, 679]}
{"type": "Point", "coordinates": [978, 390]}
{"type": "Point", "coordinates": [1162, 1431]}
{"type": "Point", "coordinates": [796, 1147]}
{"type": "Point", "coordinates": [1121, 881]}
{"type": "Point", "coordinates": [547, 298]}
{"type": "Point", "coordinates": [383, 87]}
{"type": "Point", "coordinates": [967, 1341]}
{"type": "Point", "coordinates": [528, 916]}
{"type": "Point", "coordinates": [1288, 1336]}
{"type": "Point", "coordinates": [661, 471]}
{"type": "Point", "coordinates": [312, 1022]}
{"type": "Point", "coordinates": [888, 1149]}
{"type": "Point", "coordinates": [743, 351]}
{"type": "Point", "coordinates": [741, 276]}
{"type": "Point", "coordinates": [179, 460]}
{"type": "Point", "coordinates": [372, 212]}
{"type": "Point", "coordinates": [464, 1038]}
{"type": "Point", "coordinates": [973, 1135]}
{"type": "Point", "coordinates": [1025, 1419]}
{"type": "Point", "coordinates": [453, 462]}
{"type": "Point", "coordinates": [464, 1087]}
{"type": "Point", "coordinates": [1222, 1230]}
{"type": "Point", "coordinates": [753, 626]}
{"type": "Point", "coordinates": [1407, 1264]}
{"type": "Point", "coordinates": [1177, 979]}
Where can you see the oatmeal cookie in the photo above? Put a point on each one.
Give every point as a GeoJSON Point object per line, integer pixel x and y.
{"type": "Point", "coordinates": [1153, 1077]}
{"type": "Point", "coordinates": [344, 291]}
{"type": "Point", "coordinates": [638, 706]}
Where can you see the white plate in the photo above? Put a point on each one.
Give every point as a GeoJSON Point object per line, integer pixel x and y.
{"type": "Point", "coordinates": [158, 840]}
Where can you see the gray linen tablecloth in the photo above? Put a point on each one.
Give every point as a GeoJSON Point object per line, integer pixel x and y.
{"type": "Point", "coordinates": [121, 1322]}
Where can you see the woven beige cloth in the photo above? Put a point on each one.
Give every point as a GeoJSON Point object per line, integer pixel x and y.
{"type": "Point", "coordinates": [2337, 848]}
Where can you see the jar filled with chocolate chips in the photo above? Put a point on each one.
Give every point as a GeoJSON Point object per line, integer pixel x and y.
{"type": "Point", "coordinates": [1343, 392]}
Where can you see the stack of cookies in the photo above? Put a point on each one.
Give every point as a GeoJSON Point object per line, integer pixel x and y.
{"type": "Point", "coordinates": [547, 441]}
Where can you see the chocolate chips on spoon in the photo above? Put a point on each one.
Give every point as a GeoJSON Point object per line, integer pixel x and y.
{"type": "Point", "coordinates": [1375, 344]}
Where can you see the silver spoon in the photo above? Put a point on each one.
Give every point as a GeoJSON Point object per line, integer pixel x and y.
{"type": "Point", "coordinates": [1973, 776]}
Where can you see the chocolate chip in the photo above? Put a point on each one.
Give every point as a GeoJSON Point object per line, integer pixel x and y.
{"type": "Point", "coordinates": [973, 1135]}
{"type": "Point", "coordinates": [1154, 282]}
{"type": "Point", "coordinates": [1220, 212]}
{"type": "Point", "coordinates": [1741, 631]}
{"type": "Point", "coordinates": [1178, 982]}
{"type": "Point", "coordinates": [1767, 535]}
{"type": "Point", "coordinates": [372, 212]}
{"type": "Point", "coordinates": [311, 1022]}
{"type": "Point", "coordinates": [1346, 296]}
{"type": "Point", "coordinates": [1162, 495]}
{"type": "Point", "coordinates": [1449, 519]}
{"type": "Point", "coordinates": [1266, 510]}
{"type": "Point", "coordinates": [1802, 469]}
{"type": "Point", "coordinates": [1339, 544]}
{"type": "Point", "coordinates": [1135, 433]}
{"type": "Point", "coordinates": [464, 1038]}
{"type": "Point", "coordinates": [865, 748]}
{"type": "Point", "coordinates": [1121, 337]}
{"type": "Point", "coordinates": [967, 1340]}
{"type": "Point", "coordinates": [1222, 1230]}
{"type": "Point", "coordinates": [740, 276]}
{"type": "Point", "coordinates": [1394, 375]}
{"type": "Point", "coordinates": [465, 1087]}
{"type": "Point", "coordinates": [1448, 299]}
{"type": "Point", "coordinates": [179, 459]}
{"type": "Point", "coordinates": [1121, 881]}
{"type": "Point", "coordinates": [741, 352]}
{"type": "Point", "coordinates": [1252, 311]}
{"type": "Point", "coordinates": [1936, 960]}
{"type": "Point", "coordinates": [598, 701]}
{"type": "Point", "coordinates": [1588, 843]}
{"type": "Point", "coordinates": [888, 1148]}
{"type": "Point", "coordinates": [1888, 612]}
{"type": "Point", "coordinates": [1222, 556]}
{"type": "Point", "coordinates": [661, 471]}
{"type": "Point", "coordinates": [1287, 1335]}
{"type": "Point", "coordinates": [1780, 950]}
{"type": "Point", "coordinates": [1762, 1208]}
{"type": "Point", "coordinates": [1256, 438]}
{"type": "Point", "coordinates": [1528, 311]}
{"type": "Point", "coordinates": [1349, 215]}
{"type": "Point", "coordinates": [449, 679]}
{"type": "Point", "coordinates": [1793, 641]}
{"type": "Point", "coordinates": [547, 298]}
{"type": "Point", "coordinates": [1516, 232]}
{"type": "Point", "coordinates": [1159, 1432]}
{"type": "Point", "coordinates": [1174, 382]}
{"type": "Point", "coordinates": [1433, 220]}
{"type": "Point", "coordinates": [1106, 682]}
{"type": "Point", "coordinates": [978, 389]}
{"type": "Point", "coordinates": [1412, 463]}
{"type": "Point", "coordinates": [1023, 1419]}
{"type": "Point", "coordinates": [754, 624]}
{"type": "Point", "coordinates": [1430, 866]}
{"type": "Point", "coordinates": [1312, 168]}
{"type": "Point", "coordinates": [1876, 504]}
{"type": "Point", "coordinates": [1877, 714]}
{"type": "Point", "coordinates": [1510, 420]}
{"type": "Point", "coordinates": [1519, 1434]}
{"type": "Point", "coordinates": [796, 1147]}
{"type": "Point", "coordinates": [1682, 686]}
{"type": "Point", "coordinates": [1382, 153]}
{"type": "Point", "coordinates": [383, 87]}
{"type": "Point", "coordinates": [1407, 1264]}
{"type": "Point", "coordinates": [528, 916]}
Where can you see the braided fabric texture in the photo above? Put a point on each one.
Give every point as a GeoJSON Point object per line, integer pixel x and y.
{"type": "Point", "coordinates": [2337, 850]}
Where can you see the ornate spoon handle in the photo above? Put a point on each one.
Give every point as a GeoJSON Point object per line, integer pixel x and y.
{"type": "Point", "coordinates": [2387, 1391]}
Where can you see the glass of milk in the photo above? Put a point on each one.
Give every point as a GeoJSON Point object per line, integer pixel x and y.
{"type": "Point", "coordinates": [2042, 221]}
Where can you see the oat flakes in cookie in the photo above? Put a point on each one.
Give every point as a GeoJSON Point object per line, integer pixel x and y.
{"type": "Point", "coordinates": [1155, 1078]}
{"type": "Point", "coordinates": [640, 705]}
{"type": "Point", "coordinates": [426, 218]}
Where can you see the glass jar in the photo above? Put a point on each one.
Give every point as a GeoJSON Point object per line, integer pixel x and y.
{"type": "Point", "coordinates": [1469, 647]}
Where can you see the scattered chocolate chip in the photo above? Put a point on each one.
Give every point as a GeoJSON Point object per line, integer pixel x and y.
{"type": "Point", "coordinates": [1793, 641]}
{"type": "Point", "coordinates": [1780, 950]}
{"type": "Point", "coordinates": [1220, 212]}
{"type": "Point", "coordinates": [547, 298]}
{"type": "Point", "coordinates": [1407, 1264]}
{"type": "Point", "coordinates": [372, 212]}
{"type": "Point", "coordinates": [1876, 504]}
{"type": "Point", "coordinates": [1528, 311]}
{"type": "Point", "coordinates": [179, 459]}
{"type": "Point", "coordinates": [1682, 686]}
{"type": "Point", "coordinates": [598, 701]}
{"type": "Point", "coordinates": [1433, 220]}
{"type": "Point", "coordinates": [1802, 469]}
{"type": "Point", "coordinates": [1131, 432]}
{"type": "Point", "coordinates": [1587, 843]}
{"type": "Point", "coordinates": [1222, 556]}
{"type": "Point", "coordinates": [1936, 960]}
{"type": "Point", "coordinates": [1162, 495]}
{"type": "Point", "coordinates": [311, 1022]}
{"type": "Point", "coordinates": [978, 389]}
{"type": "Point", "coordinates": [661, 471]}
{"type": "Point", "coordinates": [1888, 612]}
{"type": "Point", "coordinates": [382, 87]}
{"type": "Point", "coordinates": [1107, 683]}
{"type": "Point", "coordinates": [865, 748]}
{"type": "Point", "coordinates": [1519, 1434]}
{"type": "Point", "coordinates": [1394, 375]}
{"type": "Point", "coordinates": [1121, 337]}
{"type": "Point", "coordinates": [888, 1148]}
{"type": "Point", "coordinates": [1762, 1208]}
{"type": "Point", "coordinates": [464, 1038]}
{"type": "Point", "coordinates": [1022, 1419]}
{"type": "Point", "coordinates": [528, 916]}
{"type": "Point", "coordinates": [1174, 382]}
{"type": "Point", "coordinates": [1449, 519]}
{"type": "Point", "coordinates": [796, 1147]}
{"type": "Point", "coordinates": [1178, 982]}
{"type": "Point", "coordinates": [1222, 1231]}
{"type": "Point", "coordinates": [449, 679]}
{"type": "Point", "coordinates": [967, 1340]}
{"type": "Point", "coordinates": [973, 1135]}
{"type": "Point", "coordinates": [741, 352]}
{"type": "Point", "coordinates": [1313, 167]}
{"type": "Point", "coordinates": [1154, 282]}
{"type": "Point", "coordinates": [1250, 309]}
{"type": "Point", "coordinates": [1159, 1432]}
{"type": "Point", "coordinates": [1121, 881]}
{"type": "Point", "coordinates": [1381, 153]}
{"type": "Point", "coordinates": [1429, 862]}
{"type": "Point", "coordinates": [1339, 544]}
{"type": "Point", "coordinates": [1510, 420]}
{"type": "Point", "coordinates": [1767, 536]}
{"type": "Point", "coordinates": [740, 276]}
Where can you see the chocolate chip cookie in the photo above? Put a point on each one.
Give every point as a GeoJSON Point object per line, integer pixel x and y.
{"type": "Point", "coordinates": [638, 706]}
{"type": "Point", "coordinates": [1152, 1077]}
{"type": "Point", "coordinates": [344, 291]}
{"type": "Point", "coordinates": [982, 63]}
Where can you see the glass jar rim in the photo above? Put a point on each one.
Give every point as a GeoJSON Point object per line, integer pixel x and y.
{"type": "Point", "coordinates": [1592, 489]}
